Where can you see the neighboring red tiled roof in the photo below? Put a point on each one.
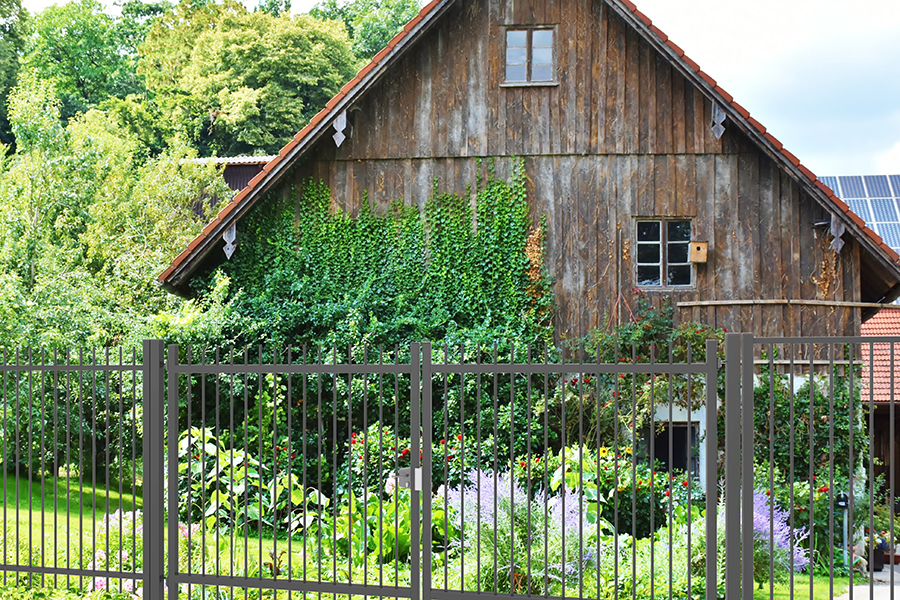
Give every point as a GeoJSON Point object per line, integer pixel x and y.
{"type": "Point", "coordinates": [885, 323]}
{"type": "Point", "coordinates": [642, 23]}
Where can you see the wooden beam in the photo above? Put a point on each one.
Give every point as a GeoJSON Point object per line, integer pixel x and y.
{"type": "Point", "coordinates": [784, 301]}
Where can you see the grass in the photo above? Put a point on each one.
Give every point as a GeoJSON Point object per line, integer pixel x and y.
{"type": "Point", "coordinates": [821, 589]}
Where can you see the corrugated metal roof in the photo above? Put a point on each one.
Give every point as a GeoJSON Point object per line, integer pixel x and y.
{"type": "Point", "coordinates": [234, 160]}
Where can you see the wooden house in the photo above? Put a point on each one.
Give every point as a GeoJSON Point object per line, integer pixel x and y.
{"type": "Point", "coordinates": [649, 175]}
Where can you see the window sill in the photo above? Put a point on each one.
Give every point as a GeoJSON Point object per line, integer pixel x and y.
{"type": "Point", "coordinates": [515, 84]}
{"type": "Point", "coordinates": [667, 288]}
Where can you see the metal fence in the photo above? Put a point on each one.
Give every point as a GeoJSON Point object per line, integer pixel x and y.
{"type": "Point", "coordinates": [446, 472]}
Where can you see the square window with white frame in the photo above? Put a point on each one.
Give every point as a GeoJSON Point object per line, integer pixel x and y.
{"type": "Point", "coordinates": [529, 56]}
{"type": "Point", "coordinates": [663, 249]}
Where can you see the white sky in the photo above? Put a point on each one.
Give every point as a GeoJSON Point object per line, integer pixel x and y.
{"type": "Point", "coordinates": [822, 75]}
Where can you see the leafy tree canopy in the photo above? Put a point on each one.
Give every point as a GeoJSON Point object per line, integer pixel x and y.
{"type": "Point", "coordinates": [243, 82]}
{"type": "Point", "coordinates": [88, 54]}
{"type": "Point", "coordinates": [370, 23]}
{"type": "Point", "coordinates": [86, 223]}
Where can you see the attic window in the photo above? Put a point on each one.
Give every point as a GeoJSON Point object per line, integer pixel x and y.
{"type": "Point", "coordinates": [662, 253]}
{"type": "Point", "coordinates": [529, 56]}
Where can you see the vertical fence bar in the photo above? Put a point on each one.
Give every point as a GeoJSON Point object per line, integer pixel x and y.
{"type": "Point", "coordinates": [172, 372]}
{"type": "Point", "coordinates": [712, 437]}
{"type": "Point", "coordinates": [427, 422]}
{"type": "Point", "coordinates": [746, 417]}
{"type": "Point", "coordinates": [414, 444]}
{"type": "Point", "coordinates": [732, 464]}
{"type": "Point", "coordinates": [154, 478]}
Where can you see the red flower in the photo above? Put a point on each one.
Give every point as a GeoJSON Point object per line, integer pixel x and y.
{"type": "Point", "coordinates": [442, 440]}
{"type": "Point", "coordinates": [522, 463]}
{"type": "Point", "coordinates": [404, 452]}
{"type": "Point", "coordinates": [724, 330]}
{"type": "Point", "coordinates": [587, 379]}
{"type": "Point", "coordinates": [622, 375]}
{"type": "Point", "coordinates": [667, 493]}
{"type": "Point", "coordinates": [459, 436]}
{"type": "Point", "coordinates": [685, 483]}
{"type": "Point", "coordinates": [293, 455]}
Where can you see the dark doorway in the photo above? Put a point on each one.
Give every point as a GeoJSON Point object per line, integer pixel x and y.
{"type": "Point", "coordinates": [685, 447]}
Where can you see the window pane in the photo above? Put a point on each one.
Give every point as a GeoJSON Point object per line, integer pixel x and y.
{"type": "Point", "coordinates": [679, 275]}
{"type": "Point", "coordinates": [542, 56]}
{"type": "Point", "coordinates": [541, 72]}
{"type": "Point", "coordinates": [648, 253]}
{"type": "Point", "coordinates": [516, 38]}
{"type": "Point", "coordinates": [516, 56]}
{"type": "Point", "coordinates": [679, 231]}
{"type": "Point", "coordinates": [649, 275]}
{"type": "Point", "coordinates": [515, 73]}
{"type": "Point", "coordinates": [542, 37]}
{"type": "Point", "coordinates": [648, 231]}
{"type": "Point", "coordinates": [677, 253]}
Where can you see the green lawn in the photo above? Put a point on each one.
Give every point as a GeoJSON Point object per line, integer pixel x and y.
{"type": "Point", "coordinates": [821, 589]}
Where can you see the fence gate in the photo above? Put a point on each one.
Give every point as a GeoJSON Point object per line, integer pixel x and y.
{"type": "Point", "coordinates": [281, 476]}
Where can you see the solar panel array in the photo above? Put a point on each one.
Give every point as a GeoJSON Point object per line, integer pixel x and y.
{"type": "Point", "coordinates": [876, 199]}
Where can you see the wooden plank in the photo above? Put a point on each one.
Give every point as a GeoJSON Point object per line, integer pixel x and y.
{"type": "Point", "coordinates": [663, 104]}
{"type": "Point", "coordinates": [632, 91]}
{"type": "Point", "coordinates": [722, 243]}
{"type": "Point", "coordinates": [626, 197]}
{"type": "Point", "coordinates": [496, 131]}
{"type": "Point", "coordinates": [689, 118]}
{"type": "Point", "coordinates": [478, 38]}
{"type": "Point", "coordinates": [746, 220]}
{"type": "Point", "coordinates": [704, 229]}
{"type": "Point", "coordinates": [770, 244]}
{"type": "Point", "coordinates": [569, 82]}
{"type": "Point", "coordinates": [599, 74]}
{"type": "Point", "coordinates": [459, 85]}
{"type": "Point", "coordinates": [678, 112]}
{"type": "Point", "coordinates": [701, 121]}
{"type": "Point", "coordinates": [647, 103]}
{"type": "Point", "coordinates": [615, 95]}
{"type": "Point", "coordinates": [645, 187]}
{"type": "Point", "coordinates": [583, 53]}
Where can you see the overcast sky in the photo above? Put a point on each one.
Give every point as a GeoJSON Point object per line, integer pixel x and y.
{"type": "Point", "coordinates": [822, 75]}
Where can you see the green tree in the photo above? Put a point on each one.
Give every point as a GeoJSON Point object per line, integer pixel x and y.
{"type": "Point", "coordinates": [83, 50]}
{"type": "Point", "coordinates": [12, 40]}
{"type": "Point", "coordinates": [239, 81]}
{"type": "Point", "coordinates": [370, 23]}
{"type": "Point", "coordinates": [87, 223]}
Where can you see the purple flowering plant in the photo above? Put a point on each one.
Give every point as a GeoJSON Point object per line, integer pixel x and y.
{"type": "Point", "coordinates": [776, 544]}
{"type": "Point", "coordinates": [527, 542]}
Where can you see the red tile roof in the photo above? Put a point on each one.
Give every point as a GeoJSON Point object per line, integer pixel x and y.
{"type": "Point", "coordinates": [642, 23]}
{"type": "Point", "coordinates": [877, 357]}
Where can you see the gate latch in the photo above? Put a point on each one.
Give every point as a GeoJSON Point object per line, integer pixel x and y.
{"type": "Point", "coordinates": [410, 478]}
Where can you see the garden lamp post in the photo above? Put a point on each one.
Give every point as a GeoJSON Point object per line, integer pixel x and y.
{"type": "Point", "coordinates": [842, 502]}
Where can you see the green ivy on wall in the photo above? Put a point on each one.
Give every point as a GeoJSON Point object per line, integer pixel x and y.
{"type": "Point", "coordinates": [305, 273]}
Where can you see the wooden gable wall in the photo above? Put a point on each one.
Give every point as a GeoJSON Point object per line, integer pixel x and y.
{"type": "Point", "coordinates": [623, 134]}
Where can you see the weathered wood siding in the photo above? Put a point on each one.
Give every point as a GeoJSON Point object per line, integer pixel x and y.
{"type": "Point", "coordinates": [622, 135]}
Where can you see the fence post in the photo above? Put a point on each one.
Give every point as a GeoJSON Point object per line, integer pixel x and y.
{"type": "Point", "coordinates": [154, 479]}
{"type": "Point", "coordinates": [732, 465]}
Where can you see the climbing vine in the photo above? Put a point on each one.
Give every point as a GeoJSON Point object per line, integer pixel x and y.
{"type": "Point", "coordinates": [459, 271]}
